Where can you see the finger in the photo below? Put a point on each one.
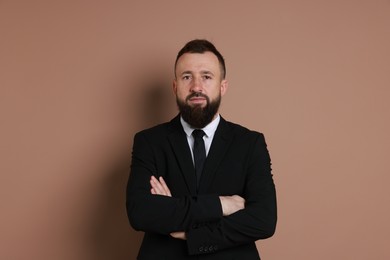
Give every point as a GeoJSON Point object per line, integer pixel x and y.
{"type": "Point", "coordinates": [179, 235]}
{"type": "Point", "coordinates": [156, 186]}
{"type": "Point", "coordinates": [162, 187]}
{"type": "Point", "coordinates": [165, 187]}
{"type": "Point", "coordinates": [238, 198]}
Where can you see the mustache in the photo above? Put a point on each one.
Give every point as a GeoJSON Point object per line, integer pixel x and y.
{"type": "Point", "coordinates": [196, 94]}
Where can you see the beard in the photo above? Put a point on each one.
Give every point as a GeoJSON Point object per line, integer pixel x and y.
{"type": "Point", "coordinates": [198, 116]}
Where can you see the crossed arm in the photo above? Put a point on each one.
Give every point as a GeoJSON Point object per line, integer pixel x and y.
{"type": "Point", "coordinates": [152, 208]}
{"type": "Point", "coordinates": [230, 204]}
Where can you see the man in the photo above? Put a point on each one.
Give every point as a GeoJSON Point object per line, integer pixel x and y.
{"type": "Point", "coordinates": [200, 195]}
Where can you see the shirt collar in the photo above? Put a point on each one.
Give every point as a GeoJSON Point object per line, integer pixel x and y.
{"type": "Point", "coordinates": [209, 129]}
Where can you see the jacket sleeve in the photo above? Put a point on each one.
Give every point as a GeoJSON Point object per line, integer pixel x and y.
{"type": "Point", "coordinates": [162, 214]}
{"type": "Point", "coordinates": [256, 221]}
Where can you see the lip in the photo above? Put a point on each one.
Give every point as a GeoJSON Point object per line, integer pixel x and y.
{"type": "Point", "coordinates": [197, 100]}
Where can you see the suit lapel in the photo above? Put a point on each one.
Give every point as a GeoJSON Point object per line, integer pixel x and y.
{"type": "Point", "coordinates": [220, 145]}
{"type": "Point", "coordinates": [178, 141]}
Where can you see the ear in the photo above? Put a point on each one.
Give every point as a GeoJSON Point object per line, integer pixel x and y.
{"type": "Point", "coordinates": [224, 86]}
{"type": "Point", "coordinates": [174, 86]}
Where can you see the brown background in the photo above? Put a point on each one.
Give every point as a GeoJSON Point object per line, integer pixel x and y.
{"type": "Point", "coordinates": [79, 78]}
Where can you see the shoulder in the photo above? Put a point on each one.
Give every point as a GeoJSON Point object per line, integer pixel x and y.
{"type": "Point", "coordinates": [161, 130]}
{"type": "Point", "coordinates": [244, 139]}
{"type": "Point", "coordinates": [157, 129]}
{"type": "Point", "coordinates": [240, 131]}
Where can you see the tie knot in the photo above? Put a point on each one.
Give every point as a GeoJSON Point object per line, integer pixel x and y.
{"type": "Point", "coordinates": [197, 133]}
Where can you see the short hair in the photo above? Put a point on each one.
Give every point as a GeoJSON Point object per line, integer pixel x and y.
{"type": "Point", "coordinates": [201, 46]}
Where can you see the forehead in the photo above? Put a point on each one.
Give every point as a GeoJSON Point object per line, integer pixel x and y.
{"type": "Point", "coordinates": [198, 62]}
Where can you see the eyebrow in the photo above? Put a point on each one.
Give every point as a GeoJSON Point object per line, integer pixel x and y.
{"type": "Point", "coordinates": [186, 72]}
{"type": "Point", "coordinates": [207, 72]}
{"type": "Point", "coordinates": [203, 72]}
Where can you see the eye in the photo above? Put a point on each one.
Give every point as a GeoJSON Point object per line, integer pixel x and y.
{"type": "Point", "coordinates": [207, 77]}
{"type": "Point", "coordinates": [186, 77]}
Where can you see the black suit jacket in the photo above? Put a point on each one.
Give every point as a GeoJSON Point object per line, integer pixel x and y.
{"type": "Point", "coordinates": [238, 162]}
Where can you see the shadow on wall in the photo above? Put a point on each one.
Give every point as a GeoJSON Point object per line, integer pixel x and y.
{"type": "Point", "coordinates": [109, 234]}
{"type": "Point", "coordinates": [113, 237]}
{"type": "Point", "coordinates": [154, 104]}
{"type": "Point", "coordinates": [158, 103]}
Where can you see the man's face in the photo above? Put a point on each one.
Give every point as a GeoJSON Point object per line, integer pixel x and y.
{"type": "Point", "coordinates": [198, 87]}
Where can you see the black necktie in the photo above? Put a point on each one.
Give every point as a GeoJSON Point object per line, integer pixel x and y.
{"type": "Point", "coordinates": [199, 152]}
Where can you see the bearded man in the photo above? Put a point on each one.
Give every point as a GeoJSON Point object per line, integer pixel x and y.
{"type": "Point", "coordinates": [200, 187]}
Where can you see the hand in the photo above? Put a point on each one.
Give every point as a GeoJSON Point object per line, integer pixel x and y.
{"type": "Point", "coordinates": [179, 235]}
{"type": "Point", "coordinates": [231, 204]}
{"type": "Point", "coordinates": [159, 187]}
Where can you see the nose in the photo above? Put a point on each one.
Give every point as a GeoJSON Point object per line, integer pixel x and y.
{"type": "Point", "coordinates": [196, 85]}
